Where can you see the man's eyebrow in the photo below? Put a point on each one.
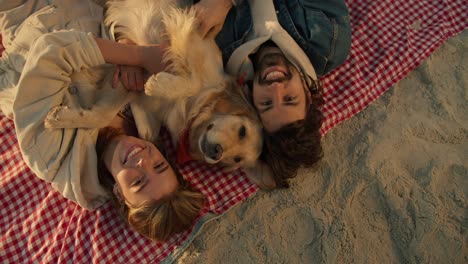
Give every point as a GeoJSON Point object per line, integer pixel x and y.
{"type": "Point", "coordinates": [270, 107]}
{"type": "Point", "coordinates": [266, 109]}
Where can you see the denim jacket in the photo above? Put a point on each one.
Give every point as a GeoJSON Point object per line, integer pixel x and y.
{"type": "Point", "coordinates": [321, 28]}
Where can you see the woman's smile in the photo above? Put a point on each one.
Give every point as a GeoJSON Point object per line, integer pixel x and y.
{"type": "Point", "coordinates": [132, 152]}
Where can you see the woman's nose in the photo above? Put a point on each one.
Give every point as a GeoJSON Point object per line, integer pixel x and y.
{"type": "Point", "coordinates": [141, 162]}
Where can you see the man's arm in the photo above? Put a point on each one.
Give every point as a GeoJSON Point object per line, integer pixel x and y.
{"type": "Point", "coordinates": [211, 15]}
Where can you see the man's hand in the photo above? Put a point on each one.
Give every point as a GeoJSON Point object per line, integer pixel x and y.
{"type": "Point", "coordinates": [211, 15]}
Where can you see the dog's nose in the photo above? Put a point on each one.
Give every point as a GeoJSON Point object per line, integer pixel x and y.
{"type": "Point", "coordinates": [215, 151]}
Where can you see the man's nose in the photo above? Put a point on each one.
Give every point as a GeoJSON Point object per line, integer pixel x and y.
{"type": "Point", "coordinates": [277, 85]}
{"type": "Point", "coordinates": [277, 89]}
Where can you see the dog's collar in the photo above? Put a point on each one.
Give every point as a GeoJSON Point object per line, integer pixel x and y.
{"type": "Point", "coordinates": [241, 80]}
{"type": "Point", "coordinates": [183, 148]}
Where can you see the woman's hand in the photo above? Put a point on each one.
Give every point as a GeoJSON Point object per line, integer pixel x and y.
{"type": "Point", "coordinates": [211, 15]}
{"type": "Point", "coordinates": [133, 77]}
{"type": "Point", "coordinates": [150, 62]}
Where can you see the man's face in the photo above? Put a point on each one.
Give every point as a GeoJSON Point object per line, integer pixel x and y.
{"type": "Point", "coordinates": [279, 94]}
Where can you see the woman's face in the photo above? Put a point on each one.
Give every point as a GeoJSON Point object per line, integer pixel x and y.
{"type": "Point", "coordinates": [139, 169]}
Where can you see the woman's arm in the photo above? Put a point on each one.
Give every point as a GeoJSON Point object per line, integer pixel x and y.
{"type": "Point", "coordinates": [64, 157]}
{"type": "Point", "coordinates": [133, 78]}
{"type": "Point", "coordinates": [148, 57]}
{"type": "Point", "coordinates": [131, 61]}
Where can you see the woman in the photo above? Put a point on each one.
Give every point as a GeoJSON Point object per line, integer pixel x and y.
{"type": "Point", "coordinates": [54, 56]}
{"type": "Point", "coordinates": [151, 197]}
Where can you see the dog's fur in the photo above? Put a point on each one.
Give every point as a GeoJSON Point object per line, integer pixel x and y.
{"type": "Point", "coordinates": [194, 93]}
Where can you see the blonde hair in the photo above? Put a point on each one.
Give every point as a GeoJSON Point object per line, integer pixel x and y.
{"type": "Point", "coordinates": [157, 219]}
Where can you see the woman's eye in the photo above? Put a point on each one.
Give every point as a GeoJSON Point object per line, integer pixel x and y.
{"type": "Point", "coordinates": [266, 103]}
{"type": "Point", "coordinates": [158, 165]}
{"type": "Point", "coordinates": [137, 182]}
{"type": "Point", "coordinates": [288, 98]}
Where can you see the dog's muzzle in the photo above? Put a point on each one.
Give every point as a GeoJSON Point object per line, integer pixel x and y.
{"type": "Point", "coordinates": [212, 151]}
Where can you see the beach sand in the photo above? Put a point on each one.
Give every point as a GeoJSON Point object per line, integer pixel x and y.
{"type": "Point", "coordinates": [391, 188]}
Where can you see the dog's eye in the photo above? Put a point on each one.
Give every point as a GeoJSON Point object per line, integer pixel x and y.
{"type": "Point", "coordinates": [237, 159]}
{"type": "Point", "coordinates": [242, 132]}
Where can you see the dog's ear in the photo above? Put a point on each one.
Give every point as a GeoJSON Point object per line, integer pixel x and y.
{"type": "Point", "coordinates": [261, 175]}
{"type": "Point", "coordinates": [247, 92]}
{"type": "Point", "coordinates": [240, 90]}
{"type": "Point", "coordinates": [229, 169]}
{"type": "Point", "coordinates": [233, 101]}
{"type": "Point", "coordinates": [201, 107]}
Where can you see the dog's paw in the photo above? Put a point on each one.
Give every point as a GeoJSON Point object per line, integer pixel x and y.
{"type": "Point", "coordinates": [158, 84]}
{"type": "Point", "coordinates": [229, 169]}
{"type": "Point", "coordinates": [169, 86]}
{"type": "Point", "coordinates": [151, 85]}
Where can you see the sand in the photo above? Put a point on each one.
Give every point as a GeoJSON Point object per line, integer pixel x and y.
{"type": "Point", "coordinates": [391, 188]}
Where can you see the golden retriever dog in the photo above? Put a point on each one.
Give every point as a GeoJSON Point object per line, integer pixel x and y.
{"type": "Point", "coordinates": [204, 110]}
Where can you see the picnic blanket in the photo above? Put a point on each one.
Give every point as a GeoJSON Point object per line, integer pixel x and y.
{"type": "Point", "coordinates": [38, 225]}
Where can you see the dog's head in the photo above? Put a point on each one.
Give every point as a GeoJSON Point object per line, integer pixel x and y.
{"type": "Point", "coordinates": [226, 130]}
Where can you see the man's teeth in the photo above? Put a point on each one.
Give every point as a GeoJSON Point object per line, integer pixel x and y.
{"type": "Point", "coordinates": [274, 75]}
{"type": "Point", "coordinates": [134, 152]}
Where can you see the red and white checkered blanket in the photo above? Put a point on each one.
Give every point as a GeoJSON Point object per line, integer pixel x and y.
{"type": "Point", "coordinates": [38, 225]}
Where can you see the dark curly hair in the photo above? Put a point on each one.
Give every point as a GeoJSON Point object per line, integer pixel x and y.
{"type": "Point", "coordinates": [297, 144]}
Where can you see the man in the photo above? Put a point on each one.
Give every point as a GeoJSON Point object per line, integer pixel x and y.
{"type": "Point", "coordinates": [280, 48]}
